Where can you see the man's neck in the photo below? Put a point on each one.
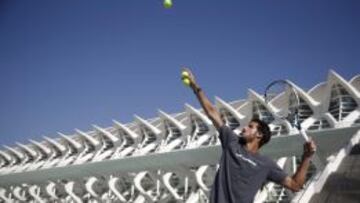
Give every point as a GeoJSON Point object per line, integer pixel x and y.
{"type": "Point", "coordinates": [252, 147]}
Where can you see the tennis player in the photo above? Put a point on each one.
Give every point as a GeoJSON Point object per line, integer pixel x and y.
{"type": "Point", "coordinates": [243, 170]}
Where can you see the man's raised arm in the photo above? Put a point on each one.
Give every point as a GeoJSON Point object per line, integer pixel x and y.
{"type": "Point", "coordinates": [205, 103]}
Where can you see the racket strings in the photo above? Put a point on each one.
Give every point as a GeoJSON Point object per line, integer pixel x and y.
{"type": "Point", "coordinates": [276, 94]}
{"type": "Point", "coordinates": [281, 93]}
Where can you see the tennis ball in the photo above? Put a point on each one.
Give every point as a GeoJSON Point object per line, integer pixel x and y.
{"type": "Point", "coordinates": [186, 81]}
{"type": "Point", "coordinates": [167, 3]}
{"type": "Point", "coordinates": [185, 74]}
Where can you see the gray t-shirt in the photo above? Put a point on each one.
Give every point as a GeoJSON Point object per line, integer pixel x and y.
{"type": "Point", "coordinates": [241, 173]}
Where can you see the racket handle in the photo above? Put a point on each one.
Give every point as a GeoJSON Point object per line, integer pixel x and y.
{"type": "Point", "coordinates": [304, 135]}
{"type": "Point", "coordinates": [316, 159]}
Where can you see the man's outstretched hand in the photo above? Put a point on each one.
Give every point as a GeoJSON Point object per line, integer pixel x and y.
{"type": "Point", "coordinates": [190, 76]}
{"type": "Point", "coordinates": [309, 149]}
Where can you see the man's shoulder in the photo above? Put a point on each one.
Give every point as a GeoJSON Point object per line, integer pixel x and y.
{"type": "Point", "coordinates": [225, 130]}
{"type": "Point", "coordinates": [266, 159]}
{"type": "Point", "coordinates": [224, 127]}
{"type": "Point", "coordinates": [227, 135]}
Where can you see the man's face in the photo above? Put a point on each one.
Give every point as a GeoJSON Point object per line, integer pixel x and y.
{"type": "Point", "coordinates": [250, 132]}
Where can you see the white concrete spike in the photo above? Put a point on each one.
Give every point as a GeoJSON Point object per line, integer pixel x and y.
{"type": "Point", "coordinates": [55, 143]}
{"type": "Point", "coordinates": [147, 124]}
{"type": "Point", "coordinates": [41, 146]}
{"type": "Point", "coordinates": [70, 140]}
{"type": "Point", "coordinates": [253, 95]}
{"type": "Point", "coordinates": [112, 137]}
{"type": "Point", "coordinates": [191, 110]}
{"type": "Point", "coordinates": [127, 130]}
{"type": "Point", "coordinates": [27, 149]}
{"type": "Point", "coordinates": [5, 155]}
{"type": "Point", "coordinates": [221, 103]}
{"type": "Point", "coordinates": [91, 139]}
{"type": "Point", "coordinates": [15, 152]}
{"type": "Point", "coordinates": [177, 123]}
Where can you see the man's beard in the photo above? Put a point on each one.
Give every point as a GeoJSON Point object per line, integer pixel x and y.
{"type": "Point", "coordinates": [242, 140]}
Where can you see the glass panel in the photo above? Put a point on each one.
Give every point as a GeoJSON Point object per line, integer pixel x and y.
{"type": "Point", "coordinates": [341, 103]}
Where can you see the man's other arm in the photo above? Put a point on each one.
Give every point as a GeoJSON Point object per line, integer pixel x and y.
{"type": "Point", "coordinates": [210, 111]}
{"type": "Point", "coordinates": [296, 182]}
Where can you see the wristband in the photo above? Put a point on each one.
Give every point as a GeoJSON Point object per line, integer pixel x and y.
{"type": "Point", "coordinates": [197, 90]}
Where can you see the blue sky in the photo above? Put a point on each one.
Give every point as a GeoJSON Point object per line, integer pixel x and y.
{"type": "Point", "coordinates": [70, 64]}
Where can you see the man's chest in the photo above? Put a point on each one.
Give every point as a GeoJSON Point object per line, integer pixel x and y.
{"type": "Point", "coordinates": [242, 164]}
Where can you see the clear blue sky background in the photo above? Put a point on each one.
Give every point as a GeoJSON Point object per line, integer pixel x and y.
{"type": "Point", "coordinates": [69, 64]}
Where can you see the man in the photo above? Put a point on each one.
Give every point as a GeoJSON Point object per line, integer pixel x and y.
{"type": "Point", "coordinates": [242, 169]}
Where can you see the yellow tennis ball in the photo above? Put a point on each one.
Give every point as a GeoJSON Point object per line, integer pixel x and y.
{"type": "Point", "coordinates": [185, 74]}
{"type": "Point", "coordinates": [186, 81]}
{"type": "Point", "coordinates": [167, 3]}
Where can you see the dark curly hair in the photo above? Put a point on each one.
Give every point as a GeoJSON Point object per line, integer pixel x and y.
{"type": "Point", "coordinates": [264, 129]}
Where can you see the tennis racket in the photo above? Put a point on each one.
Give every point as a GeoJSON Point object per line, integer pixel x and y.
{"type": "Point", "coordinates": [281, 93]}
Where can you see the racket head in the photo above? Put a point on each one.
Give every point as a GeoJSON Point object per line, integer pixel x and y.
{"type": "Point", "coordinates": [284, 93]}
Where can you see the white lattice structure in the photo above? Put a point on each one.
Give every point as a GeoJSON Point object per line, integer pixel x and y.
{"type": "Point", "coordinates": [173, 157]}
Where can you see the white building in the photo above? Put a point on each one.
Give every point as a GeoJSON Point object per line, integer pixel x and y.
{"type": "Point", "coordinates": [173, 158]}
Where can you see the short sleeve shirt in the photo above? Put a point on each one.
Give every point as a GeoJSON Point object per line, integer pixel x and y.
{"type": "Point", "coordinates": [241, 173]}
